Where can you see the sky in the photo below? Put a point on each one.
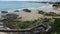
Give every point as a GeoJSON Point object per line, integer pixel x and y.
{"type": "Point", "coordinates": [30, 0]}
{"type": "Point", "coordinates": [18, 0]}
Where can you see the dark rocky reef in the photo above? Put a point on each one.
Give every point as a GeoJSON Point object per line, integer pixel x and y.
{"type": "Point", "coordinates": [56, 4]}
{"type": "Point", "coordinates": [52, 14]}
{"type": "Point", "coordinates": [40, 12]}
{"type": "Point", "coordinates": [10, 16]}
{"type": "Point", "coordinates": [47, 14]}
{"type": "Point", "coordinates": [4, 11]}
{"type": "Point", "coordinates": [27, 10]}
{"type": "Point", "coordinates": [16, 11]}
{"type": "Point", "coordinates": [9, 20]}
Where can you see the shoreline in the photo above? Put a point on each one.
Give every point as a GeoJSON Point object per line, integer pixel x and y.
{"type": "Point", "coordinates": [34, 13]}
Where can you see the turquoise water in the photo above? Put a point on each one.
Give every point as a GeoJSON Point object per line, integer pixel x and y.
{"type": "Point", "coordinates": [9, 5]}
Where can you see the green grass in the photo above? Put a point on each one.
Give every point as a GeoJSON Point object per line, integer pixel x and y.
{"type": "Point", "coordinates": [15, 24]}
{"type": "Point", "coordinates": [57, 24]}
{"type": "Point", "coordinates": [23, 25]}
{"type": "Point", "coordinates": [55, 32]}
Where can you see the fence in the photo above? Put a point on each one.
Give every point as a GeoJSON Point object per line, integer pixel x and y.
{"type": "Point", "coordinates": [34, 30]}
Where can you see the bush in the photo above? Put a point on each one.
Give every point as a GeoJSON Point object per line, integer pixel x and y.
{"type": "Point", "coordinates": [57, 24]}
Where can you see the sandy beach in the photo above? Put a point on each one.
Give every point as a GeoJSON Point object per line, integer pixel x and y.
{"type": "Point", "coordinates": [34, 14]}
{"type": "Point", "coordinates": [31, 16]}
{"type": "Point", "coordinates": [3, 33]}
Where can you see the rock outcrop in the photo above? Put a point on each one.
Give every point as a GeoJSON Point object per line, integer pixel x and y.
{"type": "Point", "coordinates": [4, 11]}
{"type": "Point", "coordinates": [9, 20]}
{"type": "Point", "coordinates": [16, 11]}
{"type": "Point", "coordinates": [56, 4]}
{"type": "Point", "coordinates": [27, 10]}
{"type": "Point", "coordinates": [52, 14]}
{"type": "Point", "coordinates": [10, 16]}
{"type": "Point", "coordinates": [47, 14]}
{"type": "Point", "coordinates": [40, 12]}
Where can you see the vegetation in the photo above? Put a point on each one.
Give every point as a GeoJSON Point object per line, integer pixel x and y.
{"type": "Point", "coordinates": [24, 24]}
{"type": "Point", "coordinates": [13, 22]}
{"type": "Point", "coordinates": [56, 26]}
{"type": "Point", "coordinates": [16, 24]}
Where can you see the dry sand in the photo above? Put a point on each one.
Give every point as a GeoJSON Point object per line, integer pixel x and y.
{"type": "Point", "coordinates": [3, 33]}
{"type": "Point", "coordinates": [31, 16]}
{"type": "Point", "coordinates": [34, 14]}
{"type": "Point", "coordinates": [26, 16]}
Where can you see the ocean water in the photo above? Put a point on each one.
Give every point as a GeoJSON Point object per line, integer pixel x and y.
{"type": "Point", "coordinates": [10, 5]}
